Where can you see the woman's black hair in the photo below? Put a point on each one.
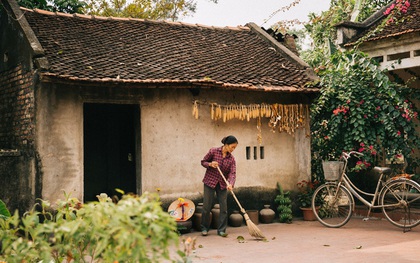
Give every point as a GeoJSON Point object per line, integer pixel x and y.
{"type": "Point", "coordinates": [229, 140]}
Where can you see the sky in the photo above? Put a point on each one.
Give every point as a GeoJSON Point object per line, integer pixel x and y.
{"type": "Point", "coordinates": [240, 12]}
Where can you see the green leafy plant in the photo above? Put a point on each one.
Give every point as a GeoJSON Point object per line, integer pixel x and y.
{"type": "Point", "coordinates": [284, 207]}
{"type": "Point", "coordinates": [306, 191]}
{"type": "Point", "coordinates": [135, 229]}
{"type": "Point", "coordinates": [4, 212]}
{"type": "Point", "coordinates": [360, 109]}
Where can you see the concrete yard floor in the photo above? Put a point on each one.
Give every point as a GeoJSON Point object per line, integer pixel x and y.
{"type": "Point", "coordinates": [375, 240]}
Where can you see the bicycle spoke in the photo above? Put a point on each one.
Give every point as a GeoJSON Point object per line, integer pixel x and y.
{"type": "Point", "coordinates": [401, 201]}
{"type": "Point", "coordinates": [335, 206]}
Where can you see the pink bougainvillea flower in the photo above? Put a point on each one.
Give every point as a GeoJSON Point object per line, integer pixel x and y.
{"type": "Point", "coordinates": [362, 144]}
{"type": "Point", "coordinates": [398, 133]}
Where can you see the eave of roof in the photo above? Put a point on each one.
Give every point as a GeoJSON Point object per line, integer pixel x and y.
{"type": "Point", "coordinates": [163, 83]}
{"type": "Point", "coordinates": [391, 30]}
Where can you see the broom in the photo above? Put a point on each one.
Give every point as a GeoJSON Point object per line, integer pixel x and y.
{"type": "Point", "coordinates": [252, 228]}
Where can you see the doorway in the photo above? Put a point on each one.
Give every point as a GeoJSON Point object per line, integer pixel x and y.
{"type": "Point", "coordinates": [109, 149]}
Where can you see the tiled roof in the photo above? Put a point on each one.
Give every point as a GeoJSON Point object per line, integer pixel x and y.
{"type": "Point", "coordinates": [135, 52]}
{"type": "Point", "coordinates": [405, 23]}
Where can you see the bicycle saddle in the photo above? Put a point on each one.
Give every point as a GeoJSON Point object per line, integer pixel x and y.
{"type": "Point", "coordinates": [382, 170]}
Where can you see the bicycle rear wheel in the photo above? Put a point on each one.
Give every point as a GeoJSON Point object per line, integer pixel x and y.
{"type": "Point", "coordinates": [336, 205]}
{"type": "Point", "coordinates": [401, 201]}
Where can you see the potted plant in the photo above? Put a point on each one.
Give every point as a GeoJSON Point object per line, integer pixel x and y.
{"type": "Point", "coordinates": [304, 197]}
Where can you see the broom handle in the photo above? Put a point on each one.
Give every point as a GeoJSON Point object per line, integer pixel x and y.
{"type": "Point", "coordinates": [233, 194]}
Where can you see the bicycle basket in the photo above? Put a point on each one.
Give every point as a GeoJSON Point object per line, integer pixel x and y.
{"type": "Point", "coordinates": [332, 170]}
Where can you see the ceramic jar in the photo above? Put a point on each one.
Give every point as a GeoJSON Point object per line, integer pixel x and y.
{"type": "Point", "coordinates": [253, 215]}
{"type": "Point", "coordinates": [184, 226]}
{"type": "Point", "coordinates": [236, 219]}
{"type": "Point", "coordinates": [267, 215]}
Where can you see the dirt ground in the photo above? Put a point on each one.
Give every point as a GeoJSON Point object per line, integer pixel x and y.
{"type": "Point", "coordinates": [375, 240]}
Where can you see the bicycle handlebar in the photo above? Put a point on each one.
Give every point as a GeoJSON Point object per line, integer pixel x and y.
{"type": "Point", "coordinates": [347, 155]}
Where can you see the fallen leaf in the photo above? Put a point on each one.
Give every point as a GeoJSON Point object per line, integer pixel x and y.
{"type": "Point", "coordinates": [358, 247]}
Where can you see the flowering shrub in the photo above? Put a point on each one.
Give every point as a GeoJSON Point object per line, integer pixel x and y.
{"type": "Point", "coordinates": [306, 191]}
{"type": "Point", "coordinates": [395, 9]}
{"type": "Point", "coordinates": [360, 109]}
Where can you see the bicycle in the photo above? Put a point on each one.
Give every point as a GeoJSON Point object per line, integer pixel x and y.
{"type": "Point", "coordinates": [398, 197]}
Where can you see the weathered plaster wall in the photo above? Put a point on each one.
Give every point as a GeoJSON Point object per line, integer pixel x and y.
{"type": "Point", "coordinates": [60, 141]}
{"type": "Point", "coordinates": [172, 144]}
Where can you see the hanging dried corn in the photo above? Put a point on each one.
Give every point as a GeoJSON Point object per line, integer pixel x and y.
{"type": "Point", "coordinates": [282, 118]}
{"type": "Point", "coordinates": [195, 110]}
{"type": "Point", "coordinates": [259, 134]}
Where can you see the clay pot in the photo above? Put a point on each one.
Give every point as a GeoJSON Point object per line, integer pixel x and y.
{"type": "Point", "coordinates": [184, 226]}
{"type": "Point", "coordinates": [253, 215]}
{"type": "Point", "coordinates": [236, 219]}
{"type": "Point", "coordinates": [267, 215]}
{"type": "Point", "coordinates": [308, 214]}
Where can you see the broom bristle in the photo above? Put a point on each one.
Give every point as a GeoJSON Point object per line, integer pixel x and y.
{"type": "Point", "coordinates": [252, 228]}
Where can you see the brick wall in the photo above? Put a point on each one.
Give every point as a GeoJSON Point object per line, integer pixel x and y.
{"type": "Point", "coordinates": [16, 109]}
{"type": "Point", "coordinates": [17, 155]}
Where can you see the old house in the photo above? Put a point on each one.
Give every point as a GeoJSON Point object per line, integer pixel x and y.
{"type": "Point", "coordinates": [394, 41]}
{"type": "Point", "coordinates": [392, 37]}
{"type": "Point", "coordinates": [90, 104]}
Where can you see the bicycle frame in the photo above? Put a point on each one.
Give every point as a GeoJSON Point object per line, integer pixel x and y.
{"type": "Point", "coordinates": [355, 191]}
{"type": "Point", "coordinates": [398, 197]}
{"type": "Point", "coordinates": [348, 184]}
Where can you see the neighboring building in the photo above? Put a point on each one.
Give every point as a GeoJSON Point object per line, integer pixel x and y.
{"type": "Point", "coordinates": [396, 47]}
{"type": "Point", "coordinates": [89, 104]}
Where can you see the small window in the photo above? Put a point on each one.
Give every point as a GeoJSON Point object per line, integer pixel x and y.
{"type": "Point", "coordinates": [379, 59]}
{"type": "Point", "coordinates": [248, 152]}
{"type": "Point", "coordinates": [261, 152]}
{"type": "Point", "coordinates": [255, 152]}
{"type": "Point", "coordinates": [398, 56]}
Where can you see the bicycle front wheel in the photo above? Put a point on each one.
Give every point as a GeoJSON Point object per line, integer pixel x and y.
{"type": "Point", "coordinates": [332, 205]}
{"type": "Point", "coordinates": [401, 203]}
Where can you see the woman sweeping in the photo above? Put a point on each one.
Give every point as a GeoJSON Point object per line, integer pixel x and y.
{"type": "Point", "coordinates": [214, 184]}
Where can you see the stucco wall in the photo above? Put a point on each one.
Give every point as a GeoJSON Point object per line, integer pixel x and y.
{"type": "Point", "coordinates": [172, 141]}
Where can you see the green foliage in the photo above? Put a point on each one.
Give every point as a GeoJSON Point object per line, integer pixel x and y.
{"type": "Point", "coordinates": [151, 9]}
{"type": "Point", "coordinates": [146, 9]}
{"type": "Point", "coordinates": [371, 6]}
{"type": "Point", "coordinates": [360, 109]}
{"type": "Point", "coordinates": [66, 6]}
{"type": "Point", "coordinates": [284, 205]}
{"type": "Point", "coordinates": [136, 229]}
{"type": "Point", "coordinates": [321, 27]}
{"type": "Point", "coordinates": [4, 212]}
{"type": "Point", "coordinates": [306, 191]}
